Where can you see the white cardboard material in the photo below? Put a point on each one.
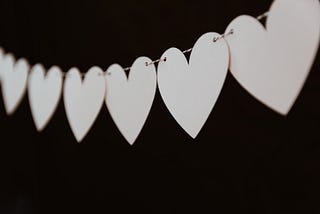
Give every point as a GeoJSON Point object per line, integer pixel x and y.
{"type": "Point", "coordinates": [1, 59]}
{"type": "Point", "coordinates": [83, 99]}
{"type": "Point", "coordinates": [129, 100]}
{"type": "Point", "coordinates": [14, 82]}
{"type": "Point", "coordinates": [272, 64]}
{"type": "Point", "coordinates": [44, 92]}
{"type": "Point", "coordinates": [190, 91]}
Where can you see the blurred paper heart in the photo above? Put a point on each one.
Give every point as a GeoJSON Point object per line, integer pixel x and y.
{"type": "Point", "coordinates": [273, 63]}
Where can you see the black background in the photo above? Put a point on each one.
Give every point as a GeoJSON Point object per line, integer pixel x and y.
{"type": "Point", "coordinates": [246, 159]}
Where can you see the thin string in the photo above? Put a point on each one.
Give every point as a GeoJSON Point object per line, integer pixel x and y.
{"type": "Point", "coordinates": [260, 17]}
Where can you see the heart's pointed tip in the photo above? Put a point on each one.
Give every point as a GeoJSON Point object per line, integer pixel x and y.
{"type": "Point", "coordinates": [194, 136]}
{"type": "Point", "coordinates": [10, 112]}
{"type": "Point", "coordinates": [284, 112]}
{"type": "Point", "coordinates": [79, 139]}
{"type": "Point", "coordinates": [39, 127]}
{"type": "Point", "coordinates": [193, 133]}
{"type": "Point", "coordinates": [131, 140]}
{"type": "Point", "coordinates": [131, 143]}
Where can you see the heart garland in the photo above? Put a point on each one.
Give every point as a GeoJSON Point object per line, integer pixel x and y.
{"type": "Point", "coordinates": [271, 63]}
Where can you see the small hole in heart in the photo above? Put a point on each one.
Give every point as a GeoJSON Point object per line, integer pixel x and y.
{"type": "Point", "coordinates": [165, 59]}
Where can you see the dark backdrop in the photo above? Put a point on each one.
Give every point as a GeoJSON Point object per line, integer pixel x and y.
{"type": "Point", "coordinates": [246, 159]}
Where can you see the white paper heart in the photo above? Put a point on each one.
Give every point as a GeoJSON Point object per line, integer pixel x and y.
{"type": "Point", "coordinates": [44, 94]}
{"type": "Point", "coordinates": [191, 90]}
{"type": "Point", "coordinates": [129, 100]}
{"type": "Point", "coordinates": [14, 82]}
{"type": "Point", "coordinates": [273, 64]}
{"type": "Point", "coordinates": [83, 99]}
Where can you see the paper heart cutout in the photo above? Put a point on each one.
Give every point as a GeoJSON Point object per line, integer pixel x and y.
{"type": "Point", "coordinates": [272, 64]}
{"type": "Point", "coordinates": [44, 92]}
{"type": "Point", "coordinates": [83, 99]}
{"type": "Point", "coordinates": [14, 82]}
{"type": "Point", "coordinates": [190, 91]}
{"type": "Point", "coordinates": [129, 100]}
